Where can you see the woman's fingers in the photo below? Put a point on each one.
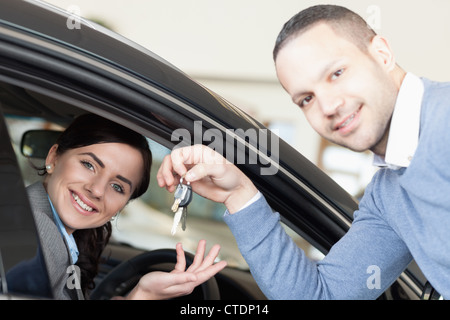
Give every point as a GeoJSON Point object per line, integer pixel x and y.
{"type": "Point", "coordinates": [201, 262]}
{"type": "Point", "coordinates": [211, 257]}
{"type": "Point", "coordinates": [163, 285]}
{"type": "Point", "coordinates": [180, 266]}
{"type": "Point", "coordinates": [199, 254]}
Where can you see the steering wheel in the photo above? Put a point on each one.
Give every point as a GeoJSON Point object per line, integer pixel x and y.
{"type": "Point", "coordinates": [122, 279]}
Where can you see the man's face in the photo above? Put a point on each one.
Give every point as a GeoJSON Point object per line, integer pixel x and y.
{"type": "Point", "coordinates": [347, 95]}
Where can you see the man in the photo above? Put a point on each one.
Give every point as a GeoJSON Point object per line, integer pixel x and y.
{"type": "Point", "coordinates": [345, 79]}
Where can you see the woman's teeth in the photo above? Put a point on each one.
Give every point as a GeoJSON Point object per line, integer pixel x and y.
{"type": "Point", "coordinates": [81, 203]}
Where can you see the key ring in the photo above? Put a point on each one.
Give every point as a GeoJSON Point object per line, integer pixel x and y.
{"type": "Point", "coordinates": [181, 180]}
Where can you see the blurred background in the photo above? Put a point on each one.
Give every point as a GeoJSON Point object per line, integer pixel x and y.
{"type": "Point", "coordinates": [227, 46]}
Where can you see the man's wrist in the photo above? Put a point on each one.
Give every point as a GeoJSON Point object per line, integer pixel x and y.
{"type": "Point", "coordinates": [241, 199]}
{"type": "Point", "coordinates": [252, 200]}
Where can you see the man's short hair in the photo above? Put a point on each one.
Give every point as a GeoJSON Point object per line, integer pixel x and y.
{"type": "Point", "coordinates": [342, 20]}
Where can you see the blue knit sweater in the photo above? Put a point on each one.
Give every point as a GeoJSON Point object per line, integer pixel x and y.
{"type": "Point", "coordinates": [404, 215]}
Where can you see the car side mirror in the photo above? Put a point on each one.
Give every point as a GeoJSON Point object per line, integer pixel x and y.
{"type": "Point", "coordinates": [37, 143]}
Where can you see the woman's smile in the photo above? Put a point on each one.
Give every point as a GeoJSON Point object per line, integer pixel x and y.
{"type": "Point", "coordinates": [81, 205]}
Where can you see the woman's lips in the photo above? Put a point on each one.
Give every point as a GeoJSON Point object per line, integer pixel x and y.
{"type": "Point", "coordinates": [82, 206]}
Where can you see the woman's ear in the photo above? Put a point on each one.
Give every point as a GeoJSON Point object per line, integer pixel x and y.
{"type": "Point", "coordinates": [51, 159]}
{"type": "Point", "coordinates": [382, 52]}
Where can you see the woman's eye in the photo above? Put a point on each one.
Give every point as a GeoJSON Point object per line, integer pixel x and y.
{"type": "Point", "coordinates": [87, 164]}
{"type": "Point", "coordinates": [337, 74]}
{"type": "Point", "coordinates": [117, 188]}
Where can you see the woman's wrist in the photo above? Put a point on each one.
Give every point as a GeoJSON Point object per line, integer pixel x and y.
{"type": "Point", "coordinates": [139, 294]}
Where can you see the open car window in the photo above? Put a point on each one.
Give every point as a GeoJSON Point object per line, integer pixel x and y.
{"type": "Point", "coordinates": [145, 223]}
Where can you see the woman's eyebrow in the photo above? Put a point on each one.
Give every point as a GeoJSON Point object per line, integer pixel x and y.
{"type": "Point", "coordinates": [100, 163]}
{"type": "Point", "coordinates": [125, 180]}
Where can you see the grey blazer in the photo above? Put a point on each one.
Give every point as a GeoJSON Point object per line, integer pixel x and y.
{"type": "Point", "coordinates": [54, 247]}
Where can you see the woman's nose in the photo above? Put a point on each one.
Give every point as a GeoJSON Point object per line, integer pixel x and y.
{"type": "Point", "coordinates": [96, 188]}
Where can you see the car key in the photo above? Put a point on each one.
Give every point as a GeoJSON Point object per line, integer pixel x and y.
{"type": "Point", "coordinates": [176, 220]}
{"type": "Point", "coordinates": [183, 196]}
{"type": "Point", "coordinates": [184, 218]}
{"type": "Point", "coordinates": [180, 215]}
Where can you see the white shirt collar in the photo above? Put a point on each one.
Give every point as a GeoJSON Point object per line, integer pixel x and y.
{"type": "Point", "coordinates": [405, 124]}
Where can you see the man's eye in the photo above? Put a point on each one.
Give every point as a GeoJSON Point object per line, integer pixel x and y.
{"type": "Point", "coordinates": [337, 74]}
{"type": "Point", "coordinates": [305, 101]}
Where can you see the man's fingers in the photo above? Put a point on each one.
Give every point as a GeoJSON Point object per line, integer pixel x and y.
{"type": "Point", "coordinates": [178, 162]}
{"type": "Point", "coordinates": [165, 176]}
{"type": "Point", "coordinates": [179, 158]}
{"type": "Point", "coordinates": [195, 156]}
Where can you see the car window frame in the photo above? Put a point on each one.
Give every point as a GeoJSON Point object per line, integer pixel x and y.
{"type": "Point", "coordinates": [20, 232]}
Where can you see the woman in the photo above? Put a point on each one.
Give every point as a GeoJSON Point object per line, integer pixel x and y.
{"type": "Point", "coordinates": [95, 168]}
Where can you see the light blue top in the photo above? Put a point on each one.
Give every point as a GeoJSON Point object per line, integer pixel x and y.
{"type": "Point", "coordinates": [404, 214]}
{"type": "Point", "coordinates": [70, 241]}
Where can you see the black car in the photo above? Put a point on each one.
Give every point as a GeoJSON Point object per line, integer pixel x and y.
{"type": "Point", "coordinates": [50, 74]}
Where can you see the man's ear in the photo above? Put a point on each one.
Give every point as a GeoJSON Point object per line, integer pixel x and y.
{"type": "Point", "coordinates": [51, 159]}
{"type": "Point", "coordinates": [380, 49]}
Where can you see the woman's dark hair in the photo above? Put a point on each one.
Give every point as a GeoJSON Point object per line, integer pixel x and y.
{"type": "Point", "coordinates": [87, 130]}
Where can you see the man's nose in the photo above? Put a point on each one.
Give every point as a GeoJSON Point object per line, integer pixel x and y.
{"type": "Point", "coordinates": [330, 103]}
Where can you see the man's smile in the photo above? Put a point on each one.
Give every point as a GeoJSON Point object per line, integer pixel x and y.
{"type": "Point", "coordinates": [347, 124]}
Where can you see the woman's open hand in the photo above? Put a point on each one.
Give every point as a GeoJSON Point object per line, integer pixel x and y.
{"type": "Point", "coordinates": [165, 285]}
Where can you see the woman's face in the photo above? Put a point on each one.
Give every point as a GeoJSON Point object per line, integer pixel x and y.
{"type": "Point", "coordinates": [89, 185]}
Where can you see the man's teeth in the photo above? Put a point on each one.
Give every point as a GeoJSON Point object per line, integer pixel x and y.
{"type": "Point", "coordinates": [81, 203]}
{"type": "Point", "coordinates": [348, 120]}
